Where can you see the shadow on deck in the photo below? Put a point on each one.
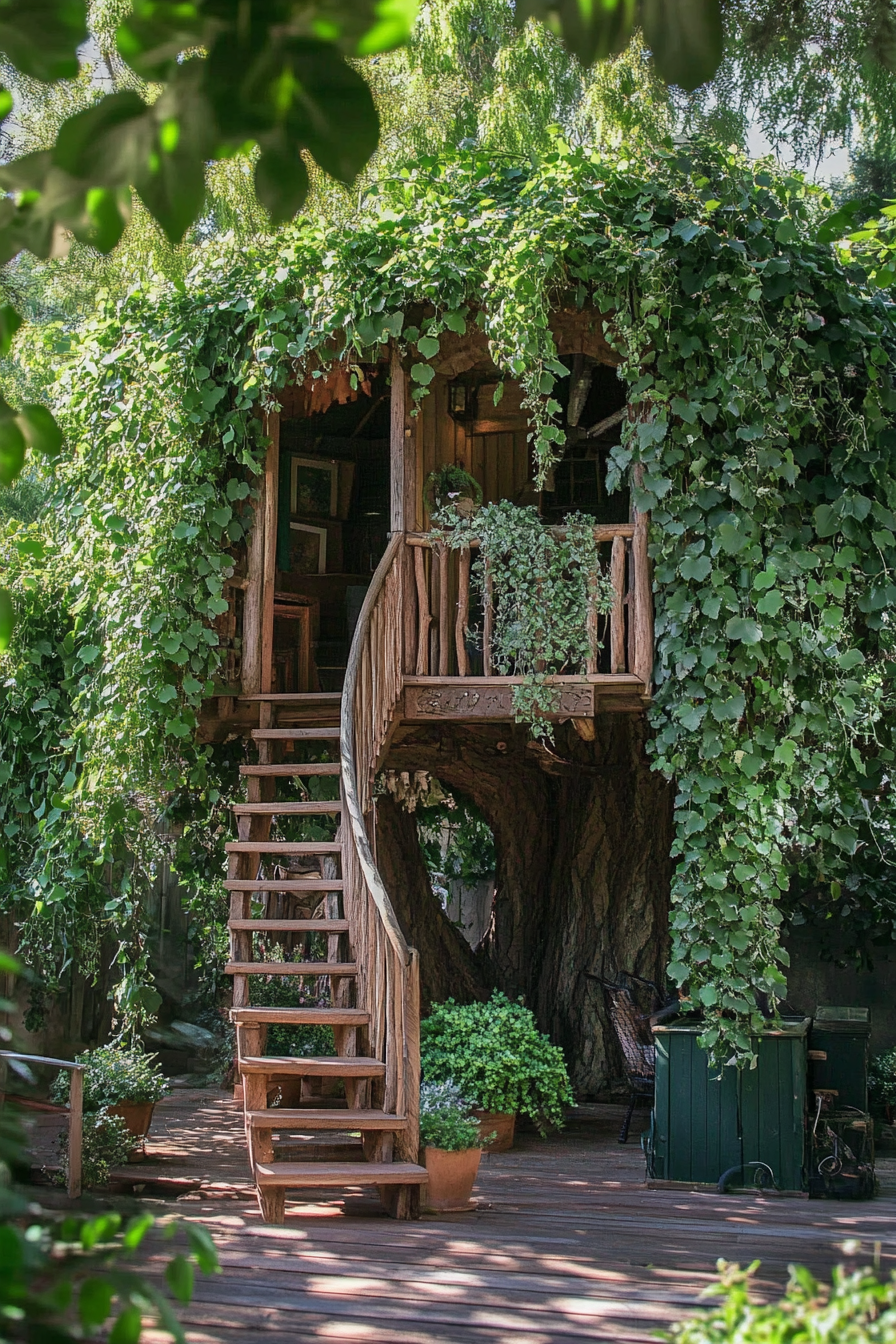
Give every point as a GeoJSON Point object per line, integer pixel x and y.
{"type": "Point", "coordinates": [567, 1243]}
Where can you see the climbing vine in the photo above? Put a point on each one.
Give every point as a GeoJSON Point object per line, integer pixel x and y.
{"type": "Point", "coordinates": [759, 364]}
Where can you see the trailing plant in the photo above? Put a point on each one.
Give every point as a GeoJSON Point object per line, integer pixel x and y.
{"type": "Point", "coordinates": [855, 1308]}
{"type": "Point", "coordinates": [107, 1143]}
{"type": "Point", "coordinates": [494, 1053]}
{"type": "Point", "coordinates": [759, 364]}
{"type": "Point", "coordinates": [452, 490]}
{"type": "Point", "coordinates": [445, 1119]}
{"type": "Point", "coordinates": [113, 1074]}
{"type": "Point", "coordinates": [544, 582]}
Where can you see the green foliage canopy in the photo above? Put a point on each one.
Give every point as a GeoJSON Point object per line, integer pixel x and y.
{"type": "Point", "coordinates": [760, 365]}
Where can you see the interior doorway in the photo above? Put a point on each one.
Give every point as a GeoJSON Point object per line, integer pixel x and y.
{"type": "Point", "coordinates": [333, 521]}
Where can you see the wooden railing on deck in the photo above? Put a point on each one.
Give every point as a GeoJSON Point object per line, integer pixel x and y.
{"type": "Point", "coordinates": [388, 970]}
{"type": "Point", "coordinates": [438, 608]}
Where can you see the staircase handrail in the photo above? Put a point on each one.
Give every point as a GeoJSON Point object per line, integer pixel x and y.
{"type": "Point", "coordinates": [351, 798]}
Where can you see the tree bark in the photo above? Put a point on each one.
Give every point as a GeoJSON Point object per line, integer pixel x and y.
{"type": "Point", "coordinates": [449, 968]}
{"type": "Point", "coordinates": [582, 832]}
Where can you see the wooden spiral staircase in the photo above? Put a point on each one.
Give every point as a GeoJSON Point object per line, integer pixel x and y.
{"type": "Point", "coordinates": [334, 926]}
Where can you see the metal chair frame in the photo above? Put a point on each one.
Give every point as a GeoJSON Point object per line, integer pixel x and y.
{"type": "Point", "coordinates": [634, 1035]}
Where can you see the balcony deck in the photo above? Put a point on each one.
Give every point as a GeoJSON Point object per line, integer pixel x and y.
{"type": "Point", "coordinates": [568, 1242]}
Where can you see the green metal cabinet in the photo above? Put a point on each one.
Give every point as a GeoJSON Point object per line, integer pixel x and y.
{"type": "Point", "coordinates": [705, 1124]}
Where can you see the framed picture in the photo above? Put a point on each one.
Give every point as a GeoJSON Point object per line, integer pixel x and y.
{"type": "Point", "coordinates": [314, 487]}
{"type": "Point", "coordinates": [307, 549]}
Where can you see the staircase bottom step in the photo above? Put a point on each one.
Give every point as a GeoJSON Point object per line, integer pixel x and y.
{"type": "Point", "coordinates": [282, 1117]}
{"type": "Point", "coordinates": [303, 1175]}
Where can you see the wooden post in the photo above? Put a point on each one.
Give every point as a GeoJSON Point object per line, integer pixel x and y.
{"type": "Point", "coordinates": [444, 632]}
{"type": "Point", "coordinates": [402, 453]}
{"type": "Point", "coordinates": [463, 613]}
{"type": "Point", "coordinates": [271, 469]}
{"type": "Point", "coordinates": [617, 619]}
{"type": "Point", "coordinates": [75, 1131]}
{"type": "Point", "coordinates": [424, 618]}
{"type": "Point", "coordinates": [253, 596]}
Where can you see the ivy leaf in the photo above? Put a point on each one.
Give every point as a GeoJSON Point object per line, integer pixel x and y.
{"type": "Point", "coordinates": [695, 567]}
{"type": "Point", "coordinates": [10, 321]}
{"type": "Point", "coordinates": [786, 232]}
{"type": "Point", "coordinates": [685, 38]}
{"type": "Point", "coordinates": [281, 179]}
{"type": "Point", "coordinates": [41, 37]}
{"type": "Point", "coordinates": [40, 430]}
{"type": "Point", "coordinates": [179, 1276]}
{"type": "Point", "coordinates": [826, 521]}
{"type": "Point", "coordinates": [423, 374]}
{"type": "Point", "coordinates": [12, 446]}
{"type": "Point", "coordinates": [591, 32]}
{"type": "Point", "coordinates": [845, 838]}
{"type": "Point", "coordinates": [128, 1327]}
{"type": "Point", "coordinates": [731, 539]}
{"type": "Point", "coordinates": [203, 1248]}
{"type": "Point", "coordinates": [7, 619]}
{"type": "Point", "coordinates": [743, 629]}
{"type": "Point", "coordinates": [785, 752]}
{"type": "Point", "coordinates": [94, 1303]}
{"type": "Point", "coordinates": [428, 346]}
{"type": "Point", "coordinates": [770, 604]}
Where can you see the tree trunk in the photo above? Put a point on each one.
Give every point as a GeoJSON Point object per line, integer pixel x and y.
{"type": "Point", "coordinates": [582, 832]}
{"type": "Point", "coordinates": [448, 966]}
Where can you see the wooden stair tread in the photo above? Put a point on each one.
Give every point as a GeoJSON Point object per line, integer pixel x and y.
{"type": "Point", "coordinates": [295, 734]}
{"type": "Point", "coordinates": [299, 1175]}
{"type": "Point", "coordinates": [288, 769]}
{"type": "Point", "coordinates": [294, 698]}
{"type": "Point", "coordinates": [283, 1118]}
{"type": "Point", "coordinates": [339, 1017]}
{"type": "Point", "coordinates": [283, 847]}
{"type": "Point", "coordinates": [294, 808]}
{"type": "Point", "coordinates": [285, 884]}
{"type": "Point", "coordinates": [291, 968]}
{"type": "Point", "coordinates": [313, 1066]}
{"type": "Point", "coordinates": [290, 925]}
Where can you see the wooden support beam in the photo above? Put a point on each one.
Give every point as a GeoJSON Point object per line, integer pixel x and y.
{"type": "Point", "coordinates": [271, 470]}
{"type": "Point", "coordinates": [463, 613]}
{"type": "Point", "coordinates": [402, 453]}
{"type": "Point", "coordinates": [617, 618]}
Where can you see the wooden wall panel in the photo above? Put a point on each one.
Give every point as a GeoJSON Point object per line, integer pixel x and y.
{"type": "Point", "coordinates": [500, 462]}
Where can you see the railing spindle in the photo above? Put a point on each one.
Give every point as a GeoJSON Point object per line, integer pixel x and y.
{"type": "Point", "coordinates": [463, 612]}
{"type": "Point", "coordinates": [444, 633]}
{"type": "Point", "coordinates": [488, 622]}
{"type": "Point", "coordinates": [617, 619]}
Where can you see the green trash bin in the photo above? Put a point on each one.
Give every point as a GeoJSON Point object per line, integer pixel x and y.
{"type": "Point", "coordinates": [703, 1124]}
{"type": "Point", "coordinates": [842, 1036]}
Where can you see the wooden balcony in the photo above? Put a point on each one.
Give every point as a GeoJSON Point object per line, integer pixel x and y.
{"type": "Point", "coordinates": [449, 675]}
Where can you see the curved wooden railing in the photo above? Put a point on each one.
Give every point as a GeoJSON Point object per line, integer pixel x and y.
{"type": "Point", "coordinates": [388, 969]}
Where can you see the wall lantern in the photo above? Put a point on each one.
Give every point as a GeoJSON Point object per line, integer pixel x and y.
{"type": "Point", "coordinates": [462, 400]}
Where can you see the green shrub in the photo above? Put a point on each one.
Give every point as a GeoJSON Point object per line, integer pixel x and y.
{"type": "Point", "coordinates": [114, 1074]}
{"type": "Point", "coordinates": [496, 1055]}
{"type": "Point", "coordinates": [445, 1120]}
{"type": "Point", "coordinates": [107, 1144]}
{"type": "Point", "coordinates": [882, 1079]}
{"type": "Point", "coordinates": [855, 1309]}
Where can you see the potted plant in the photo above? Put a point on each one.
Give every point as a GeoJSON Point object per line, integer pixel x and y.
{"type": "Point", "coordinates": [499, 1059]}
{"type": "Point", "coordinates": [450, 489]}
{"type": "Point", "coordinates": [452, 1146]}
{"type": "Point", "coordinates": [119, 1081]}
{"type": "Point", "coordinates": [106, 1143]}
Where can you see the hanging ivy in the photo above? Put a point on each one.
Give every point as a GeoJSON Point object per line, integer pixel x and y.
{"type": "Point", "coordinates": [760, 364]}
{"type": "Point", "coordinates": [542, 583]}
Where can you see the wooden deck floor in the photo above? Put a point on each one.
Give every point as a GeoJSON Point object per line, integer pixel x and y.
{"type": "Point", "coordinates": [567, 1244]}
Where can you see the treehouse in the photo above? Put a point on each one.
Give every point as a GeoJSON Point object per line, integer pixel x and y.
{"type": "Point", "coordinates": [357, 644]}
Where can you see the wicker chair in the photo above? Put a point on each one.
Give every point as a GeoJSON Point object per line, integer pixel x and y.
{"type": "Point", "coordinates": [633, 1031]}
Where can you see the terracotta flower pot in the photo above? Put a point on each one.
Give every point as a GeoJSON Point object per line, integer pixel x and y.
{"type": "Point", "coordinates": [137, 1116]}
{"type": "Point", "coordinates": [451, 1177]}
{"type": "Point", "coordinates": [499, 1123]}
